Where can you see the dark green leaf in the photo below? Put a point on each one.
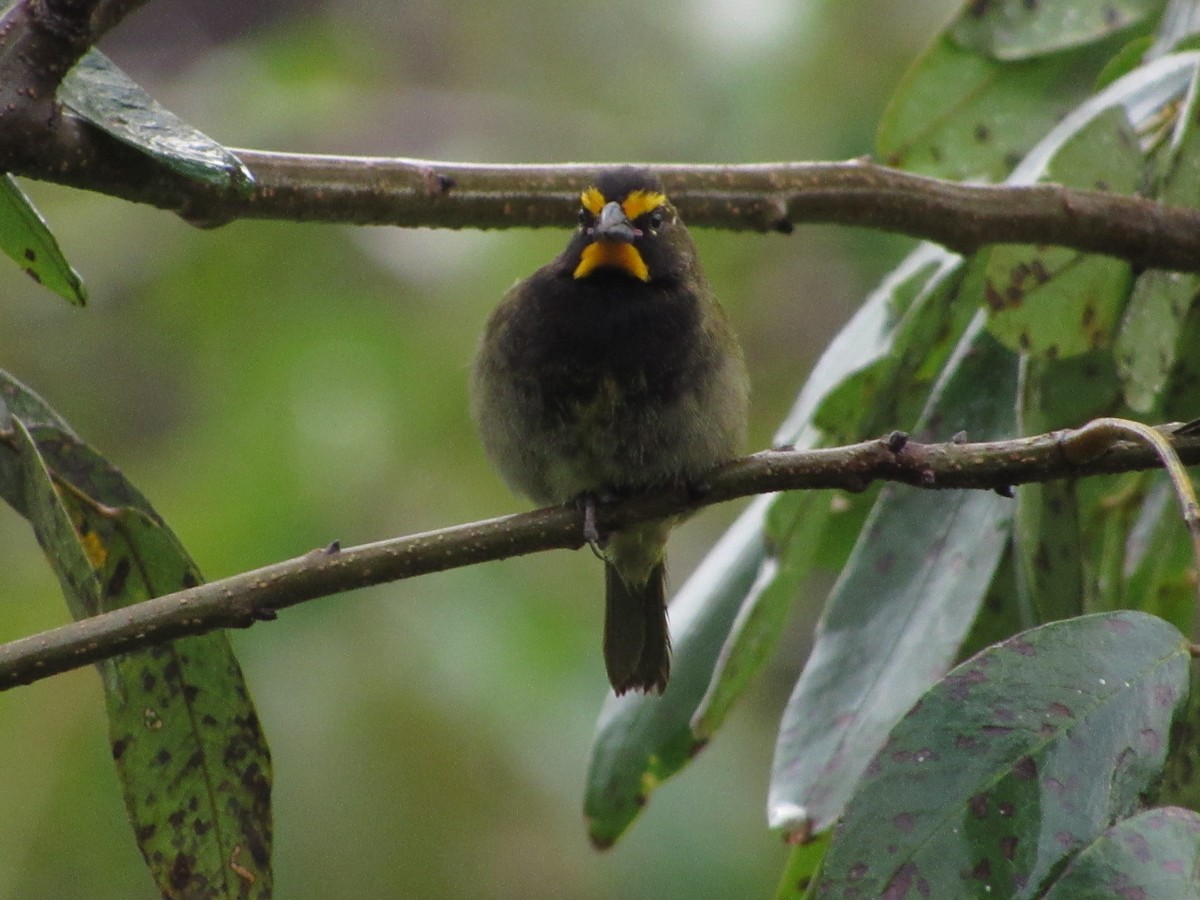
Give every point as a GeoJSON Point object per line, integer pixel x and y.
{"type": "Point", "coordinates": [902, 605]}
{"type": "Point", "coordinates": [193, 763]}
{"type": "Point", "coordinates": [642, 740]}
{"type": "Point", "coordinates": [1018, 29]}
{"type": "Point", "coordinates": [1158, 560]}
{"type": "Point", "coordinates": [1050, 551]}
{"type": "Point", "coordinates": [103, 94]}
{"type": "Point", "coordinates": [1018, 758]}
{"type": "Point", "coordinates": [1150, 856]}
{"type": "Point", "coordinates": [1181, 775]}
{"type": "Point", "coordinates": [26, 238]}
{"type": "Point", "coordinates": [914, 302]}
{"type": "Point", "coordinates": [1001, 615]}
{"type": "Point", "coordinates": [793, 527]}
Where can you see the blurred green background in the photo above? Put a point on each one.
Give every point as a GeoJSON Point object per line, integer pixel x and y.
{"type": "Point", "coordinates": [273, 387]}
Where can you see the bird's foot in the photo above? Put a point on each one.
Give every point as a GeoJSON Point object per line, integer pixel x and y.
{"type": "Point", "coordinates": [591, 533]}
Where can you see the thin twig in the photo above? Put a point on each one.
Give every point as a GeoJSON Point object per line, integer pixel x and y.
{"type": "Point", "coordinates": [241, 600]}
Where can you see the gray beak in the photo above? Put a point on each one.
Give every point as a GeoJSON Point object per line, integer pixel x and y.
{"type": "Point", "coordinates": [613, 226]}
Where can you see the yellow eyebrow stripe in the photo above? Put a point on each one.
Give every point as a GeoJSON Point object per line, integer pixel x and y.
{"type": "Point", "coordinates": [641, 202]}
{"type": "Point", "coordinates": [592, 200]}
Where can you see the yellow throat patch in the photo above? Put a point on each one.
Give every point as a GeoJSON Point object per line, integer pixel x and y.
{"type": "Point", "coordinates": [612, 254]}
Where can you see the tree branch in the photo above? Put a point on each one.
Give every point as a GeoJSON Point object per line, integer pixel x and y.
{"type": "Point", "coordinates": [753, 197]}
{"type": "Point", "coordinates": [241, 600]}
{"type": "Point", "coordinates": [41, 39]}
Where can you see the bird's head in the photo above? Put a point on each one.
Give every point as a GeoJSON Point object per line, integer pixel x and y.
{"type": "Point", "coordinates": [628, 228]}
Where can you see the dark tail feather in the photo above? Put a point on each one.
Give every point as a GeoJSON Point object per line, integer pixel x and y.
{"type": "Point", "coordinates": [637, 645]}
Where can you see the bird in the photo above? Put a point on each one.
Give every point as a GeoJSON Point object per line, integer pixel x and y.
{"type": "Point", "coordinates": [613, 370]}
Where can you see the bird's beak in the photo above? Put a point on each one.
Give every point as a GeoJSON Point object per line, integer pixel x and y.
{"type": "Point", "coordinates": [613, 226]}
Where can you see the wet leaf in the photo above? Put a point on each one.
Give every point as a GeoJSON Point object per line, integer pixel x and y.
{"type": "Point", "coordinates": [26, 238]}
{"type": "Point", "coordinates": [104, 95]}
{"type": "Point", "coordinates": [641, 740]}
{"type": "Point", "coordinates": [1050, 301]}
{"type": "Point", "coordinates": [189, 750]}
{"type": "Point", "coordinates": [1020, 757]}
{"type": "Point", "coordinates": [908, 310]}
{"type": "Point", "coordinates": [1049, 539]}
{"type": "Point", "coordinates": [1150, 856]}
{"type": "Point", "coordinates": [902, 606]}
{"type": "Point", "coordinates": [1018, 29]}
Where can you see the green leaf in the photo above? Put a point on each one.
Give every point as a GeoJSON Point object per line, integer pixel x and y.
{"type": "Point", "coordinates": [802, 865]}
{"type": "Point", "coordinates": [1049, 539]}
{"type": "Point", "coordinates": [642, 740]}
{"type": "Point", "coordinates": [1018, 29]}
{"type": "Point", "coordinates": [1180, 395]}
{"type": "Point", "coordinates": [1124, 61]}
{"type": "Point", "coordinates": [961, 115]}
{"type": "Point", "coordinates": [189, 750]}
{"type": "Point", "coordinates": [793, 526]}
{"type": "Point", "coordinates": [1181, 775]}
{"type": "Point", "coordinates": [1147, 344]}
{"type": "Point", "coordinates": [897, 615]}
{"type": "Point", "coordinates": [1150, 856]}
{"type": "Point", "coordinates": [1150, 331]}
{"type": "Point", "coordinates": [1051, 301]}
{"type": "Point", "coordinates": [25, 237]}
{"type": "Point", "coordinates": [1020, 757]}
{"type": "Point", "coordinates": [104, 95]}
{"type": "Point", "coordinates": [1001, 615]}
{"type": "Point", "coordinates": [909, 310]}
{"type": "Point", "coordinates": [1159, 562]}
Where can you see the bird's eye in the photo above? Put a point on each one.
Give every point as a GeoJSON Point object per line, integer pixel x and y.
{"type": "Point", "coordinates": [655, 221]}
{"type": "Point", "coordinates": [585, 217]}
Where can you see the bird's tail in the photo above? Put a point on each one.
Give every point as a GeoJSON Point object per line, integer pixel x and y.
{"type": "Point", "coordinates": [637, 645]}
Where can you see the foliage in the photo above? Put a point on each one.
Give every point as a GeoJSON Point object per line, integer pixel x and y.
{"type": "Point", "coordinates": [1029, 769]}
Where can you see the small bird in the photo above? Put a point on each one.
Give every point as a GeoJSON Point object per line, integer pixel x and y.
{"type": "Point", "coordinates": [607, 372]}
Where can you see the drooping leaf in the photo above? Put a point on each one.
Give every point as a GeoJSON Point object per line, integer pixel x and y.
{"type": "Point", "coordinates": [1052, 562]}
{"type": "Point", "coordinates": [890, 337]}
{"type": "Point", "coordinates": [642, 740]}
{"type": "Point", "coordinates": [104, 95]}
{"type": "Point", "coordinates": [1018, 29]}
{"type": "Point", "coordinates": [1020, 757]}
{"type": "Point", "coordinates": [1002, 613]}
{"type": "Point", "coordinates": [902, 606]}
{"type": "Point", "coordinates": [189, 750]}
{"type": "Point", "coordinates": [26, 238]}
{"type": "Point", "coordinates": [793, 531]}
{"type": "Point", "coordinates": [1150, 856]}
